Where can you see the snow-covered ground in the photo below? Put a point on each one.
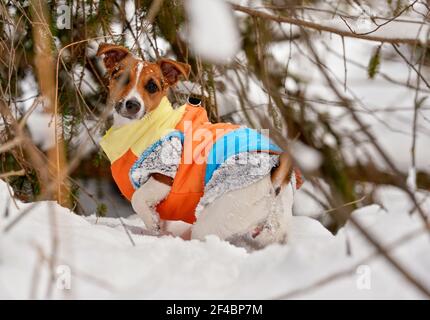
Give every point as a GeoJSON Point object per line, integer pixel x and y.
{"type": "Point", "coordinates": [53, 253]}
{"type": "Point", "coordinates": [50, 246]}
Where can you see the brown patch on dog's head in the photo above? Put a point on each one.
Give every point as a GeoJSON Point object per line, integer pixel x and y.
{"type": "Point", "coordinates": [156, 78]}
{"type": "Point", "coordinates": [113, 54]}
{"type": "Point", "coordinates": [136, 86]}
{"type": "Point", "coordinates": [172, 70]}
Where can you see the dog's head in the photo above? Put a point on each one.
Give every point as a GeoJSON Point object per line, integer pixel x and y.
{"type": "Point", "coordinates": [136, 86]}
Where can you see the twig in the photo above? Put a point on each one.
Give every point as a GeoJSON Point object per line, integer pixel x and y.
{"type": "Point", "coordinates": [371, 239]}
{"type": "Point", "coordinates": [348, 271]}
{"type": "Point", "coordinates": [10, 145]}
{"type": "Point", "coordinates": [367, 133]}
{"type": "Point", "coordinates": [319, 27]}
{"type": "Point", "coordinates": [12, 173]}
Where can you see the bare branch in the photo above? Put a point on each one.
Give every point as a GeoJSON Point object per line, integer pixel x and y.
{"type": "Point", "coordinates": [320, 27]}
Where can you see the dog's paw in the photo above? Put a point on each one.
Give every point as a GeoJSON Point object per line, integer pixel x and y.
{"type": "Point", "coordinates": [152, 222]}
{"type": "Point", "coordinates": [259, 237]}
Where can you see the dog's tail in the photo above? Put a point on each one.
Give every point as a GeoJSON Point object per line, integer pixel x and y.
{"type": "Point", "coordinates": [282, 174]}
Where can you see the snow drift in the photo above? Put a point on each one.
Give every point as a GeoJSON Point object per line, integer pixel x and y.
{"type": "Point", "coordinates": [53, 253]}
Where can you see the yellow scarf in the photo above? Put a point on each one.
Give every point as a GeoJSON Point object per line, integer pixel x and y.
{"type": "Point", "coordinates": [141, 134]}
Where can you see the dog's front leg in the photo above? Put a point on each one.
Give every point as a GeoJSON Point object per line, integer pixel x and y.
{"type": "Point", "coordinates": [146, 198]}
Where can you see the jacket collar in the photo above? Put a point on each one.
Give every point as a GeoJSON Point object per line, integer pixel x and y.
{"type": "Point", "coordinates": [140, 134]}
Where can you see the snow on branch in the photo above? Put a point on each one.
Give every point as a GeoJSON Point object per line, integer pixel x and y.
{"type": "Point", "coordinates": [383, 34]}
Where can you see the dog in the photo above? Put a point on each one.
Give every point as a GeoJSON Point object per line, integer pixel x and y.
{"type": "Point", "coordinates": [173, 164]}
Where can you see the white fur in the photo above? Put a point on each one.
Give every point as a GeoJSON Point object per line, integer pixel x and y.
{"type": "Point", "coordinates": [146, 198]}
{"type": "Point", "coordinates": [233, 216]}
{"type": "Point", "coordinates": [238, 213]}
{"type": "Point", "coordinates": [118, 119]}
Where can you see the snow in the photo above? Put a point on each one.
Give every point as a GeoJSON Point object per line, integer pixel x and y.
{"type": "Point", "coordinates": [393, 30]}
{"type": "Point", "coordinates": [213, 32]}
{"type": "Point", "coordinates": [309, 158]}
{"type": "Point", "coordinates": [104, 263]}
{"type": "Point", "coordinates": [384, 106]}
{"type": "Point", "coordinates": [41, 124]}
{"type": "Point", "coordinates": [411, 181]}
{"type": "Point", "coordinates": [42, 129]}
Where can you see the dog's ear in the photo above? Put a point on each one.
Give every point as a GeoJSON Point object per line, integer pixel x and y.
{"type": "Point", "coordinates": [113, 54]}
{"type": "Point", "coordinates": [172, 70]}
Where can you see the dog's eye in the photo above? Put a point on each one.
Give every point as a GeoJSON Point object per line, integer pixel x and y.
{"type": "Point", "coordinates": [151, 86]}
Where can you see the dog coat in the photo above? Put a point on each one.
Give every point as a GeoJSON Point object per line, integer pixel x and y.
{"type": "Point", "coordinates": [205, 148]}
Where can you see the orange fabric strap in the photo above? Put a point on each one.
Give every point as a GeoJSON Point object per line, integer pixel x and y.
{"type": "Point", "coordinates": [188, 185]}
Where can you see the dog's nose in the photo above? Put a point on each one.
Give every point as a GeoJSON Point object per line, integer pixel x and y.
{"type": "Point", "coordinates": [132, 106]}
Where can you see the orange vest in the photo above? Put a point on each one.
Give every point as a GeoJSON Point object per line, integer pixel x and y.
{"type": "Point", "coordinates": [199, 138]}
{"type": "Point", "coordinates": [188, 185]}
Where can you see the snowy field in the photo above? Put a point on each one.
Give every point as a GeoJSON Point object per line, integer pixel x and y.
{"type": "Point", "coordinates": [46, 251]}
{"type": "Point", "coordinates": [52, 253]}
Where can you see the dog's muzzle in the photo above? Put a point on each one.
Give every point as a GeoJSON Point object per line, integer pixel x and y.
{"type": "Point", "coordinates": [132, 106]}
{"type": "Point", "coordinates": [128, 108]}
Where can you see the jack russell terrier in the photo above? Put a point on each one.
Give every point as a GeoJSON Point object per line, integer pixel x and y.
{"type": "Point", "coordinates": [173, 164]}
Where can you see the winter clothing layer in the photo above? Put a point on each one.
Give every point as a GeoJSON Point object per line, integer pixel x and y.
{"type": "Point", "coordinates": [123, 145]}
{"type": "Point", "coordinates": [156, 142]}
